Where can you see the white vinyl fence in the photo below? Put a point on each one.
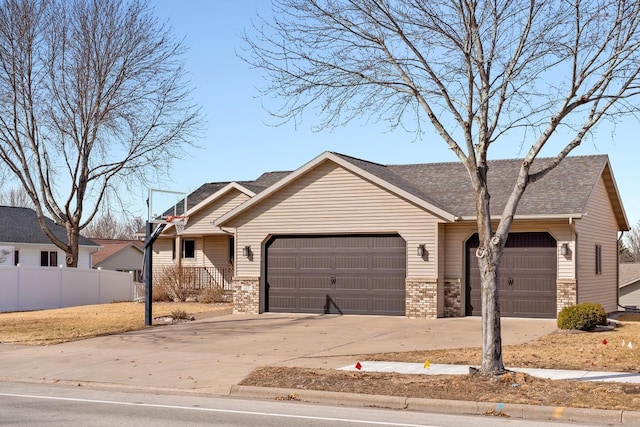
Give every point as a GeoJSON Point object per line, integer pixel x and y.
{"type": "Point", "coordinates": [35, 288]}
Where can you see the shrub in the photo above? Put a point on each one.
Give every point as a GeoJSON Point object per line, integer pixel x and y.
{"type": "Point", "coordinates": [160, 294]}
{"type": "Point", "coordinates": [211, 295]}
{"type": "Point", "coordinates": [175, 282]}
{"type": "Point", "coordinates": [584, 317]}
{"type": "Point", "coordinates": [180, 315]}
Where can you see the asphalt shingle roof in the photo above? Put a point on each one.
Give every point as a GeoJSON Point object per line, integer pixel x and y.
{"type": "Point", "coordinates": [20, 225]}
{"type": "Point", "coordinates": [564, 191]}
{"type": "Point", "coordinates": [263, 182]}
{"type": "Point", "coordinates": [629, 273]}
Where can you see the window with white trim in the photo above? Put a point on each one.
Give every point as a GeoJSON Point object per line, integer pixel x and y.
{"type": "Point", "coordinates": [48, 259]}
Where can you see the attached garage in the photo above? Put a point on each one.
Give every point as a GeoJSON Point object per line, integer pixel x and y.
{"type": "Point", "coordinates": [341, 274]}
{"type": "Point", "coordinates": [528, 275]}
{"type": "Point", "coordinates": [325, 238]}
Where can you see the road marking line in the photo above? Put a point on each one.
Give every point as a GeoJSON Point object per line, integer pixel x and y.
{"type": "Point", "coordinates": [227, 411]}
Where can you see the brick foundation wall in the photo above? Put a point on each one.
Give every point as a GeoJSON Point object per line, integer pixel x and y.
{"type": "Point", "coordinates": [567, 293]}
{"type": "Point", "coordinates": [246, 295]}
{"type": "Point", "coordinates": [422, 298]}
{"type": "Point", "coordinates": [452, 298]}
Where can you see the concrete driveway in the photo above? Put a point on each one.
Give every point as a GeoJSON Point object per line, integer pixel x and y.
{"type": "Point", "coordinates": [212, 354]}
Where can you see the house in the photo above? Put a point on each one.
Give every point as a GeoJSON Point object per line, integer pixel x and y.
{"type": "Point", "coordinates": [23, 242]}
{"type": "Point", "coordinates": [120, 255]}
{"type": "Point", "coordinates": [344, 235]}
{"type": "Point", "coordinates": [629, 284]}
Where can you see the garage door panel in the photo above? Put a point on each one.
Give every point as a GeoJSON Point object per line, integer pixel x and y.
{"type": "Point", "coordinates": [389, 262]}
{"type": "Point", "coordinates": [336, 274]}
{"type": "Point", "coordinates": [352, 262]}
{"type": "Point", "coordinates": [284, 262]}
{"type": "Point", "coordinates": [285, 303]}
{"type": "Point", "coordinates": [532, 308]}
{"type": "Point", "coordinates": [315, 262]}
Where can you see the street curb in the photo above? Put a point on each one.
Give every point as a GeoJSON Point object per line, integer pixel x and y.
{"type": "Point", "coordinates": [582, 415]}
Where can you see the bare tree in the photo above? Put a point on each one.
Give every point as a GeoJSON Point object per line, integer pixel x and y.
{"type": "Point", "coordinates": [534, 73]}
{"type": "Point", "coordinates": [16, 196]}
{"type": "Point", "coordinates": [108, 226]}
{"type": "Point", "coordinates": [632, 243]}
{"type": "Point", "coordinates": [93, 100]}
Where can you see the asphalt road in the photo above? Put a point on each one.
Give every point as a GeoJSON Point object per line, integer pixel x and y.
{"type": "Point", "coordinates": [29, 404]}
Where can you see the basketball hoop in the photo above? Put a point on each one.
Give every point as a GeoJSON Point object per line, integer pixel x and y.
{"type": "Point", "coordinates": [179, 222]}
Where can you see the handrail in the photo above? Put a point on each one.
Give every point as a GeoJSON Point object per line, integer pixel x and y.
{"type": "Point", "coordinates": [209, 277]}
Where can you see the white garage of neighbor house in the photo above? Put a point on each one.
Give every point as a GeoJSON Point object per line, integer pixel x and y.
{"type": "Point", "coordinates": [629, 284]}
{"type": "Point", "coordinates": [343, 235]}
{"type": "Point", "coordinates": [23, 242]}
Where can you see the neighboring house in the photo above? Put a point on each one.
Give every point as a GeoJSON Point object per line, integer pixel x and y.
{"type": "Point", "coordinates": [120, 255]}
{"type": "Point", "coordinates": [343, 235]}
{"type": "Point", "coordinates": [629, 283]}
{"type": "Point", "coordinates": [23, 242]}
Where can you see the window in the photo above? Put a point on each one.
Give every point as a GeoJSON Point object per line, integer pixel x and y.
{"type": "Point", "coordinates": [598, 259]}
{"type": "Point", "coordinates": [16, 257]}
{"type": "Point", "coordinates": [232, 249]}
{"type": "Point", "coordinates": [48, 258]}
{"type": "Point", "coordinates": [188, 249]}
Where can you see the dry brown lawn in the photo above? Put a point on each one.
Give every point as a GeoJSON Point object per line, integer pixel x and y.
{"type": "Point", "coordinates": [46, 327]}
{"type": "Point", "coordinates": [593, 351]}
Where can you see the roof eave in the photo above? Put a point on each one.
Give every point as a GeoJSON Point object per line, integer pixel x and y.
{"type": "Point", "coordinates": [529, 217]}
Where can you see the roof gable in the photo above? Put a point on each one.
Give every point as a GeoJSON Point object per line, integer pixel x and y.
{"type": "Point", "coordinates": [378, 174]}
{"type": "Point", "coordinates": [20, 225]}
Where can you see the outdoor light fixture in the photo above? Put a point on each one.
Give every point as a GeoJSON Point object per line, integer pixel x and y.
{"type": "Point", "coordinates": [564, 249]}
{"type": "Point", "coordinates": [246, 251]}
{"type": "Point", "coordinates": [421, 251]}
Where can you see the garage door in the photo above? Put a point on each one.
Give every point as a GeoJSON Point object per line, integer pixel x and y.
{"type": "Point", "coordinates": [527, 276]}
{"type": "Point", "coordinates": [355, 274]}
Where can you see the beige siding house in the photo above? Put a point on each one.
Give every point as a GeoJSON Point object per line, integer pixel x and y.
{"type": "Point", "coordinates": [343, 235]}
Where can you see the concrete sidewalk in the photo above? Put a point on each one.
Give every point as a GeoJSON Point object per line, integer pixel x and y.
{"type": "Point", "coordinates": [440, 369]}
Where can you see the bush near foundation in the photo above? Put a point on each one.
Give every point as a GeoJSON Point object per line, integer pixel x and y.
{"type": "Point", "coordinates": [585, 316]}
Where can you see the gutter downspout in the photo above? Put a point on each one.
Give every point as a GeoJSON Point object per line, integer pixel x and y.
{"type": "Point", "coordinates": [575, 254]}
{"type": "Point", "coordinates": [618, 269]}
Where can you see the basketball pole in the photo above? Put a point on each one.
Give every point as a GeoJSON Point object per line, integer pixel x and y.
{"type": "Point", "coordinates": [151, 236]}
{"type": "Point", "coordinates": [148, 268]}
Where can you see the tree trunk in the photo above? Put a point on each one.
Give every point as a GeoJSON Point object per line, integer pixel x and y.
{"type": "Point", "coordinates": [72, 250]}
{"type": "Point", "coordinates": [489, 254]}
{"type": "Point", "coordinates": [492, 363]}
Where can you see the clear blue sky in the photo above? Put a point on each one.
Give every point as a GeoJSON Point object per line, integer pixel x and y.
{"type": "Point", "coordinates": [240, 142]}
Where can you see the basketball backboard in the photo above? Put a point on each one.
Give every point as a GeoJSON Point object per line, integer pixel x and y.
{"type": "Point", "coordinates": [163, 203]}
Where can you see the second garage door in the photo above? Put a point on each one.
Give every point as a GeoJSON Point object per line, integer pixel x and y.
{"type": "Point", "coordinates": [528, 275]}
{"type": "Point", "coordinates": [355, 274]}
